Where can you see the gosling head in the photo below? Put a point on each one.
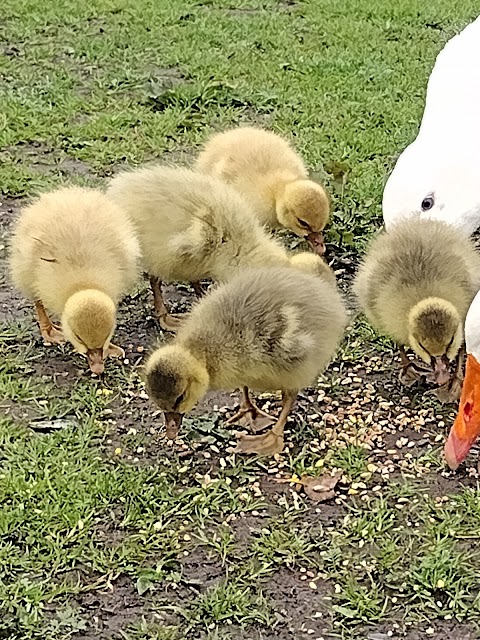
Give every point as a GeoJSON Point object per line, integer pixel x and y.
{"type": "Point", "coordinates": [88, 322]}
{"type": "Point", "coordinates": [175, 381]}
{"type": "Point", "coordinates": [435, 334]}
{"type": "Point", "coordinates": [313, 264]}
{"type": "Point", "coordinates": [305, 208]}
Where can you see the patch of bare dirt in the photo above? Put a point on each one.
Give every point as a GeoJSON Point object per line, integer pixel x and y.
{"type": "Point", "coordinates": [439, 486]}
{"type": "Point", "coordinates": [201, 571]}
{"type": "Point", "coordinates": [12, 304]}
{"type": "Point", "coordinates": [445, 631]}
{"type": "Point", "coordinates": [44, 159]}
{"type": "Point", "coordinates": [247, 527]}
{"type": "Point", "coordinates": [167, 77]}
{"type": "Point", "coordinates": [253, 632]}
{"type": "Point", "coordinates": [299, 608]}
{"type": "Point", "coordinates": [110, 610]}
{"type": "Point", "coordinates": [442, 630]}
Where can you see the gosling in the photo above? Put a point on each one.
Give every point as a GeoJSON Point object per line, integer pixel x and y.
{"type": "Point", "coordinates": [267, 329]}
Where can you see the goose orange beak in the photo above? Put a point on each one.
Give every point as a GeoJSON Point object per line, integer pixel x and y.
{"type": "Point", "coordinates": [466, 428]}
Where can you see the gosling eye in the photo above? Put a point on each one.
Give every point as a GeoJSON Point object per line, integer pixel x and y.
{"type": "Point", "coordinates": [179, 400]}
{"type": "Point", "coordinates": [428, 202]}
{"type": "Point", "coordinates": [303, 224]}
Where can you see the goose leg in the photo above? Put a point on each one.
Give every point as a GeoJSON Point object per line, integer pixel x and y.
{"type": "Point", "coordinates": [167, 321]}
{"type": "Point", "coordinates": [271, 442]}
{"type": "Point", "coordinates": [50, 333]}
{"type": "Point", "coordinates": [249, 415]}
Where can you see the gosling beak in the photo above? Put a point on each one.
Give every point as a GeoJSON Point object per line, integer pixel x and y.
{"type": "Point", "coordinates": [95, 360]}
{"type": "Point", "coordinates": [441, 371]}
{"type": "Point", "coordinates": [466, 427]}
{"type": "Point", "coordinates": [172, 424]}
{"type": "Point", "coordinates": [316, 241]}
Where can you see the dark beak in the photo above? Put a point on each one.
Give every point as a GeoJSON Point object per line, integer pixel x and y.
{"type": "Point", "coordinates": [95, 360]}
{"type": "Point", "coordinates": [316, 241]}
{"type": "Point", "coordinates": [441, 372]}
{"type": "Point", "coordinates": [172, 423]}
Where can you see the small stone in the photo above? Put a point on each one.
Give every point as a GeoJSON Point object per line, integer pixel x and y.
{"type": "Point", "coordinates": [359, 485]}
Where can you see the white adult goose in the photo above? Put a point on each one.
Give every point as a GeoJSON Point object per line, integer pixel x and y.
{"type": "Point", "coordinates": [438, 175]}
{"type": "Point", "coordinates": [466, 428]}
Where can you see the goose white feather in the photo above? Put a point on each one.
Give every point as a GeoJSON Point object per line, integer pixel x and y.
{"type": "Point", "coordinates": [441, 168]}
{"type": "Point", "coordinates": [472, 329]}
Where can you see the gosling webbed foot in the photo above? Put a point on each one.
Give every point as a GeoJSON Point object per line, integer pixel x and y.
{"type": "Point", "coordinates": [410, 371]}
{"type": "Point", "coordinates": [271, 442]}
{"type": "Point", "coordinates": [170, 322]}
{"type": "Point", "coordinates": [267, 444]}
{"type": "Point", "coordinates": [252, 418]}
{"type": "Point", "coordinates": [52, 334]}
{"type": "Point", "coordinates": [449, 392]}
{"type": "Point", "coordinates": [410, 374]}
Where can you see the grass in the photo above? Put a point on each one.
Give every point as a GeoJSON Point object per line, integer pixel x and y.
{"type": "Point", "coordinates": [105, 530]}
